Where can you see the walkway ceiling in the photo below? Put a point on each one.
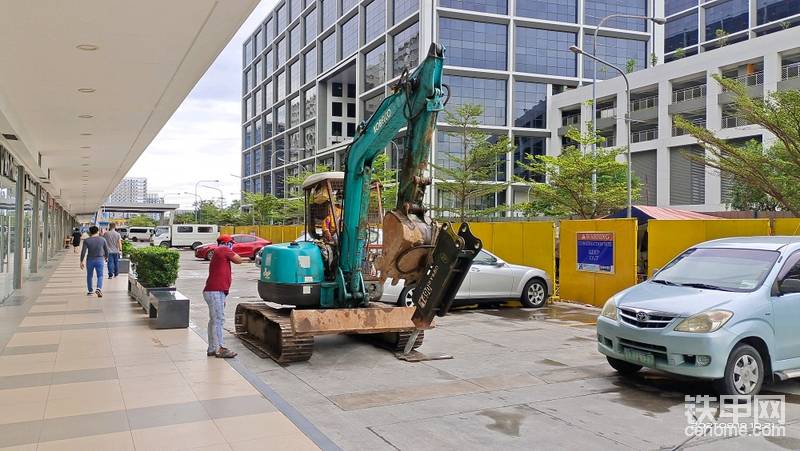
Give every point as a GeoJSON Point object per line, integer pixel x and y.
{"type": "Point", "coordinates": [85, 85]}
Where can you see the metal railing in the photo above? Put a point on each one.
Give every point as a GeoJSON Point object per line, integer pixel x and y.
{"type": "Point", "coordinates": [607, 112]}
{"type": "Point", "coordinates": [754, 79]}
{"type": "Point", "coordinates": [647, 102]}
{"type": "Point", "coordinates": [733, 121]}
{"type": "Point", "coordinates": [679, 131]}
{"type": "Point", "coordinates": [573, 119]}
{"type": "Point", "coordinates": [609, 142]}
{"type": "Point", "coordinates": [790, 71]}
{"type": "Point", "coordinates": [644, 135]}
{"type": "Point", "coordinates": [686, 94]}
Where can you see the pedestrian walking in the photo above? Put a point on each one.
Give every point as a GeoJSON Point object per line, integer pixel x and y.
{"type": "Point", "coordinates": [76, 239]}
{"type": "Point", "coordinates": [95, 251]}
{"type": "Point", "coordinates": [216, 290]}
{"type": "Point", "coordinates": [114, 241]}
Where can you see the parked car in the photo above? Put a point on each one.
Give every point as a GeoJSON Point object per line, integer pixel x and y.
{"type": "Point", "coordinates": [725, 310]}
{"type": "Point", "coordinates": [185, 235]}
{"type": "Point", "coordinates": [490, 279]}
{"type": "Point", "coordinates": [140, 233]}
{"type": "Point", "coordinates": [123, 232]}
{"type": "Point", "coordinates": [244, 245]}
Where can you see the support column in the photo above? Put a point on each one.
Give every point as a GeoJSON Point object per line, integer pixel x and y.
{"type": "Point", "coordinates": [19, 229]}
{"type": "Point", "coordinates": [47, 249]}
{"type": "Point", "coordinates": [35, 239]}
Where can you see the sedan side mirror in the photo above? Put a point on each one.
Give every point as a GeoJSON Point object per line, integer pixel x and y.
{"type": "Point", "coordinates": [499, 262]}
{"type": "Point", "coordinates": [789, 286]}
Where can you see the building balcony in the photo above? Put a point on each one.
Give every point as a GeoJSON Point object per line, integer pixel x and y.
{"type": "Point", "coordinates": [568, 122]}
{"type": "Point", "coordinates": [790, 77]}
{"type": "Point", "coordinates": [644, 135]}
{"type": "Point", "coordinates": [606, 118]}
{"type": "Point", "coordinates": [644, 109]}
{"type": "Point", "coordinates": [733, 121]}
{"type": "Point", "coordinates": [689, 99]}
{"type": "Point", "coordinates": [753, 83]}
{"type": "Point", "coordinates": [700, 122]}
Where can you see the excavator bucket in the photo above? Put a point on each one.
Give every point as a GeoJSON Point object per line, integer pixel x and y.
{"type": "Point", "coordinates": [406, 245]}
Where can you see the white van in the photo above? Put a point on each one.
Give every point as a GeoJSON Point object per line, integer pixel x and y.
{"type": "Point", "coordinates": [185, 235]}
{"type": "Point", "coordinates": [140, 233]}
{"type": "Point", "coordinates": [123, 232]}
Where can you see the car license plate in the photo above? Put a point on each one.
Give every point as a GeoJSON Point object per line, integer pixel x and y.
{"type": "Point", "coordinates": [643, 358]}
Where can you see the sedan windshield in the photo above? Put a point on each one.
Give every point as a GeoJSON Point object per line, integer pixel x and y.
{"type": "Point", "coordinates": [719, 269]}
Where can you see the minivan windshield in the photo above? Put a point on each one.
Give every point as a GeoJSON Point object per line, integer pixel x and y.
{"type": "Point", "coordinates": [161, 231]}
{"type": "Point", "coordinates": [719, 269]}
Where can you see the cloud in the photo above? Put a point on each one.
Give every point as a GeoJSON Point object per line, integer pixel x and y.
{"type": "Point", "coordinates": [202, 140]}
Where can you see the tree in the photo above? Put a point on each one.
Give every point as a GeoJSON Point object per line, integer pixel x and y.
{"type": "Point", "coordinates": [745, 197]}
{"type": "Point", "coordinates": [387, 177]}
{"type": "Point", "coordinates": [630, 65]}
{"type": "Point", "coordinates": [141, 221]}
{"type": "Point", "coordinates": [471, 170]}
{"type": "Point", "coordinates": [568, 189]}
{"type": "Point", "coordinates": [266, 208]}
{"type": "Point", "coordinates": [774, 169]}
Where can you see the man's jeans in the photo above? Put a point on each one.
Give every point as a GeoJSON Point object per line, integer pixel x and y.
{"type": "Point", "coordinates": [216, 318]}
{"type": "Point", "coordinates": [113, 264]}
{"type": "Point", "coordinates": [94, 264]}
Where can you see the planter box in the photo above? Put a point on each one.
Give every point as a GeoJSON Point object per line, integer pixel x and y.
{"type": "Point", "coordinates": [141, 293]}
{"type": "Point", "coordinates": [124, 265]}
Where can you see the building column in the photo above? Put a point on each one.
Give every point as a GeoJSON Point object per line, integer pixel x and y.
{"type": "Point", "coordinates": [713, 192]}
{"type": "Point", "coordinates": [664, 138]}
{"type": "Point", "coordinates": [47, 249]}
{"type": "Point", "coordinates": [36, 242]}
{"type": "Point", "coordinates": [19, 229]}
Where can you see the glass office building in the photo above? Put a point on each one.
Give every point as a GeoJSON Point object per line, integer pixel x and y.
{"type": "Point", "coordinates": [314, 69]}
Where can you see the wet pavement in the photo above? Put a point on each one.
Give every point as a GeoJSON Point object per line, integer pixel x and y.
{"type": "Point", "coordinates": [519, 379]}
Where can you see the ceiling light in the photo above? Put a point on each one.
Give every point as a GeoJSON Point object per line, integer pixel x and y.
{"type": "Point", "coordinates": [86, 134]}
{"type": "Point", "coordinates": [87, 47]}
{"type": "Point", "coordinates": [85, 116]}
{"type": "Point", "coordinates": [86, 90]}
{"type": "Point", "coordinates": [86, 147]}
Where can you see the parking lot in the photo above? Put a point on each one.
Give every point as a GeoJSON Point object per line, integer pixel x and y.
{"type": "Point", "coordinates": [519, 379]}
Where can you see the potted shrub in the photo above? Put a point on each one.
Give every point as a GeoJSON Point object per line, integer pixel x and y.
{"type": "Point", "coordinates": [154, 268]}
{"type": "Point", "coordinates": [125, 260]}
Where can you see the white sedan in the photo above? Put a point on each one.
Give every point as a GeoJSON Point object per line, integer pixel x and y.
{"type": "Point", "coordinates": [490, 279]}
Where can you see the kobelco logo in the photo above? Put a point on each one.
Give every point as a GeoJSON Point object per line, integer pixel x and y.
{"type": "Point", "coordinates": [382, 120]}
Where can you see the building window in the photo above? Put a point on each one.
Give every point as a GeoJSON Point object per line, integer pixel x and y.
{"type": "Point", "coordinates": [487, 92]}
{"type": "Point", "coordinates": [375, 23]}
{"type": "Point", "coordinates": [336, 109]}
{"type": "Point", "coordinates": [336, 128]}
{"type": "Point", "coordinates": [294, 111]}
{"type": "Point", "coordinates": [451, 145]}
{"type": "Point", "coordinates": [259, 40]}
{"type": "Point", "coordinates": [268, 125]}
{"type": "Point", "coordinates": [311, 26]}
{"type": "Point", "coordinates": [281, 52]}
{"type": "Point", "coordinates": [248, 52]}
{"type": "Point", "coordinates": [295, 147]}
{"type": "Point", "coordinates": [296, 9]}
{"type": "Point", "coordinates": [545, 52]}
{"type": "Point", "coordinates": [259, 101]}
{"type": "Point", "coordinates": [484, 6]}
{"type": "Point", "coordinates": [270, 65]}
{"type": "Point", "coordinates": [337, 89]}
{"type": "Point", "coordinates": [310, 138]}
{"type": "Point", "coordinates": [687, 177]}
{"type": "Point", "coordinates": [328, 13]}
{"type": "Point", "coordinates": [248, 136]}
{"type": "Point", "coordinates": [558, 10]}
{"type": "Point", "coordinates": [246, 163]}
{"type": "Point", "coordinates": [350, 37]}
{"type": "Point", "coordinates": [280, 152]}
{"type": "Point", "coordinates": [310, 103]}
{"type": "Point", "coordinates": [730, 17]}
{"type": "Point", "coordinates": [404, 8]}
{"type": "Point", "coordinates": [351, 110]}
{"type": "Point", "coordinates": [675, 6]}
{"type": "Point", "coordinates": [474, 44]}
{"type": "Point", "coordinates": [351, 129]}
{"type": "Point", "coordinates": [269, 96]}
{"type": "Point", "coordinates": [351, 90]}
{"type": "Point", "coordinates": [617, 51]}
{"type": "Point", "coordinates": [256, 185]}
{"type": "Point", "coordinates": [772, 10]}
{"type": "Point", "coordinates": [406, 49]}
{"type": "Point", "coordinates": [680, 32]}
{"type": "Point", "coordinates": [328, 52]}
{"type": "Point", "coordinates": [371, 105]}
{"type": "Point", "coordinates": [526, 147]}
{"type": "Point", "coordinates": [310, 61]}
{"type": "Point", "coordinates": [375, 67]}
{"type": "Point", "coordinates": [643, 165]}
{"type": "Point", "coordinates": [280, 119]}
{"type": "Point", "coordinates": [597, 9]}
{"type": "Point", "coordinates": [267, 156]}
{"type": "Point", "coordinates": [248, 108]}
{"type": "Point", "coordinates": [247, 81]}
{"type": "Point", "coordinates": [530, 104]}
{"type": "Point", "coordinates": [280, 187]}
{"type": "Point", "coordinates": [281, 15]}
{"type": "Point", "coordinates": [295, 37]}
{"type": "Point", "coordinates": [259, 67]}
{"type": "Point", "coordinates": [296, 76]}
{"type": "Point", "coordinates": [281, 85]}
{"type": "Point", "coordinates": [347, 5]}
{"type": "Point", "coordinates": [257, 160]}
{"type": "Point", "coordinates": [270, 32]}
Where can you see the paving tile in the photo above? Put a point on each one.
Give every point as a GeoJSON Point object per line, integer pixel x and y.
{"type": "Point", "coordinates": [23, 411]}
{"type": "Point", "coordinates": [165, 415]}
{"type": "Point", "coordinates": [94, 374]}
{"type": "Point", "coordinates": [365, 399]}
{"type": "Point", "coordinates": [250, 427]}
{"type": "Point", "coordinates": [27, 394]}
{"type": "Point", "coordinates": [117, 441]}
{"type": "Point", "coordinates": [25, 380]}
{"type": "Point", "coordinates": [29, 349]}
{"type": "Point", "coordinates": [237, 406]}
{"type": "Point", "coordinates": [83, 425]}
{"type": "Point", "coordinates": [62, 312]}
{"type": "Point", "coordinates": [20, 433]}
{"type": "Point", "coordinates": [180, 436]}
{"type": "Point", "coordinates": [294, 442]}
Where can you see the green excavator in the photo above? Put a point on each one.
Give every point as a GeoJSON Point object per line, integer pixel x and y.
{"type": "Point", "coordinates": [321, 285]}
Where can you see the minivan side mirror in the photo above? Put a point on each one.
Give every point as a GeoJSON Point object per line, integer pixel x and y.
{"type": "Point", "coordinates": [789, 286]}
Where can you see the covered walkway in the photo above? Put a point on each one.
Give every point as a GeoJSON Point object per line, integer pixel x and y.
{"type": "Point", "coordinates": [79, 372]}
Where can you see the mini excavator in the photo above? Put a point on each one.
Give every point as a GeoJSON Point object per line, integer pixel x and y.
{"type": "Point", "coordinates": [318, 286]}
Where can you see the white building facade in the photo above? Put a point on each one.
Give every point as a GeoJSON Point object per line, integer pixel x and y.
{"type": "Point", "coordinates": [131, 190]}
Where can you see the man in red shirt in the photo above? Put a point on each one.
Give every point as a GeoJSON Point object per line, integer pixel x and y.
{"type": "Point", "coordinates": [215, 292]}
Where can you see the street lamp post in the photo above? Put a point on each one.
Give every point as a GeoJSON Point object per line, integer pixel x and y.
{"type": "Point", "coordinates": [197, 200]}
{"type": "Point", "coordinates": [656, 20]}
{"type": "Point", "coordinates": [578, 51]}
{"type": "Point", "coordinates": [197, 210]}
{"type": "Point", "coordinates": [221, 195]}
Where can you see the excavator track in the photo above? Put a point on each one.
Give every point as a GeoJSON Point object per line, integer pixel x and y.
{"type": "Point", "coordinates": [393, 341]}
{"type": "Point", "coordinates": [268, 332]}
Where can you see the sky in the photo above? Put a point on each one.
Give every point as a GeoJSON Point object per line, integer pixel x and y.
{"type": "Point", "coordinates": [202, 140]}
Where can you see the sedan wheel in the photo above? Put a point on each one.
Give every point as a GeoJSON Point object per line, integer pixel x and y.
{"type": "Point", "coordinates": [534, 295]}
{"type": "Point", "coordinates": [744, 372]}
{"type": "Point", "coordinates": [406, 298]}
{"type": "Point", "coordinates": [209, 255]}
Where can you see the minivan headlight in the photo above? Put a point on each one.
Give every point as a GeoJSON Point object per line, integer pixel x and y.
{"type": "Point", "coordinates": [705, 322]}
{"type": "Point", "coordinates": [610, 309]}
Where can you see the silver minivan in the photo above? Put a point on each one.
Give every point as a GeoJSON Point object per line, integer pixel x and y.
{"type": "Point", "coordinates": [726, 310]}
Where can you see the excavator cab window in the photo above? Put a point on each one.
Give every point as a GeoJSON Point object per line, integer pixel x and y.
{"type": "Point", "coordinates": [323, 210]}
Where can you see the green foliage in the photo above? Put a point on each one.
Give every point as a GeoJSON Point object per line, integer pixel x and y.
{"type": "Point", "coordinates": [156, 266]}
{"type": "Point", "coordinates": [630, 65]}
{"type": "Point", "coordinates": [568, 190]}
{"type": "Point", "coordinates": [746, 197]}
{"type": "Point", "coordinates": [773, 170]}
{"type": "Point", "coordinates": [722, 35]}
{"type": "Point", "coordinates": [387, 177]}
{"type": "Point", "coordinates": [471, 172]}
{"type": "Point", "coordinates": [141, 221]}
{"type": "Point", "coordinates": [184, 218]}
{"type": "Point", "coordinates": [127, 248]}
{"type": "Point", "coordinates": [680, 53]}
{"type": "Point", "coordinates": [653, 59]}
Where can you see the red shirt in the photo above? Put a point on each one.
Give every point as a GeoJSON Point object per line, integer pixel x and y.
{"type": "Point", "coordinates": [219, 270]}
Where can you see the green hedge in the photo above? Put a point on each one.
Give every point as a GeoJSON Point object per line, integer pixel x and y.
{"type": "Point", "coordinates": [156, 266]}
{"type": "Point", "coordinates": [127, 248]}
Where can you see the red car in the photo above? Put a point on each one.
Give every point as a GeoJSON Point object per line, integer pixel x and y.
{"type": "Point", "coordinates": [244, 245]}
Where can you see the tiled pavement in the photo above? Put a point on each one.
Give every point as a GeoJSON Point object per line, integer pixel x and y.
{"type": "Point", "coordinates": [79, 372]}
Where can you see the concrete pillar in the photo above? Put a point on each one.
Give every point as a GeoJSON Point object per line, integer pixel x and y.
{"type": "Point", "coordinates": [47, 249]}
{"type": "Point", "coordinates": [36, 241]}
{"type": "Point", "coordinates": [664, 137]}
{"type": "Point", "coordinates": [713, 193]}
{"type": "Point", "coordinates": [19, 229]}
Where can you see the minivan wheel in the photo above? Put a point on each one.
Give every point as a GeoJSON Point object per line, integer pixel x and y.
{"type": "Point", "coordinates": [534, 295]}
{"type": "Point", "coordinates": [134, 239]}
{"type": "Point", "coordinates": [196, 244]}
{"type": "Point", "coordinates": [405, 299]}
{"type": "Point", "coordinates": [744, 372]}
{"type": "Point", "coordinates": [623, 367]}
{"type": "Point", "coordinates": [165, 244]}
